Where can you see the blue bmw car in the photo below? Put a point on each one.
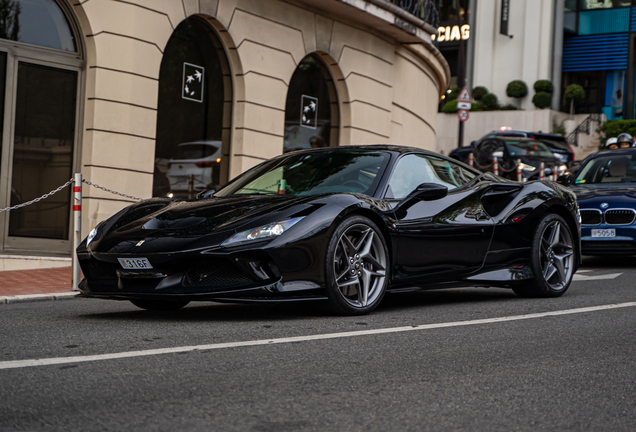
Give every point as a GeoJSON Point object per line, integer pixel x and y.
{"type": "Point", "coordinates": [605, 186]}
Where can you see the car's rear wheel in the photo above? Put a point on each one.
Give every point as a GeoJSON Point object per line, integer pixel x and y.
{"type": "Point", "coordinates": [552, 259]}
{"type": "Point", "coordinates": [356, 267]}
{"type": "Point", "coordinates": [159, 305]}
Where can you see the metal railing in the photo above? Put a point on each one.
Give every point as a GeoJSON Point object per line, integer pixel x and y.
{"type": "Point", "coordinates": [584, 127]}
{"type": "Point", "coordinates": [422, 9]}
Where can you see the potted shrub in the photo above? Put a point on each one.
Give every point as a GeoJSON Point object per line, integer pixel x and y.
{"type": "Point", "coordinates": [517, 89]}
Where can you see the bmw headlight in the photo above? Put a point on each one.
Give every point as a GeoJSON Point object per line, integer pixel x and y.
{"type": "Point", "coordinates": [263, 232]}
{"type": "Point", "coordinates": [91, 236]}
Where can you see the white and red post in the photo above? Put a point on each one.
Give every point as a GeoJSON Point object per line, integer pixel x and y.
{"type": "Point", "coordinates": [495, 165]}
{"type": "Point", "coordinates": [77, 228]}
{"type": "Point", "coordinates": [471, 160]}
{"type": "Point", "coordinates": [542, 171]}
{"type": "Point", "coordinates": [519, 178]}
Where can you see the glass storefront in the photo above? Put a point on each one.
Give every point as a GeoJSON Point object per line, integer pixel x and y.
{"type": "Point", "coordinates": [39, 91]}
{"type": "Point", "coordinates": [311, 111]}
{"type": "Point", "coordinates": [192, 146]}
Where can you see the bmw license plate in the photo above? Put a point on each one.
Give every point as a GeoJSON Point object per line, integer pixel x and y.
{"type": "Point", "coordinates": [604, 233]}
{"type": "Point", "coordinates": [135, 263]}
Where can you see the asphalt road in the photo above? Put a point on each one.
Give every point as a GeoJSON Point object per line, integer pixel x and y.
{"type": "Point", "coordinates": [430, 366]}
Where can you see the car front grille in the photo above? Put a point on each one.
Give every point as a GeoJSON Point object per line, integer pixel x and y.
{"type": "Point", "coordinates": [590, 217]}
{"type": "Point", "coordinates": [218, 274]}
{"type": "Point", "coordinates": [102, 270]}
{"type": "Point", "coordinates": [620, 217]}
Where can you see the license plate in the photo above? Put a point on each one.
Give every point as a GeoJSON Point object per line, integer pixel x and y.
{"type": "Point", "coordinates": [605, 233]}
{"type": "Point", "coordinates": [135, 263]}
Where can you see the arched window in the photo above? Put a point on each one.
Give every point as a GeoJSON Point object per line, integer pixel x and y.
{"type": "Point", "coordinates": [36, 22]}
{"type": "Point", "coordinates": [39, 92]}
{"type": "Point", "coordinates": [311, 111]}
{"type": "Point", "coordinates": [192, 145]}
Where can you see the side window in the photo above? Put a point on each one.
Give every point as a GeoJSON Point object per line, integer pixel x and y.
{"type": "Point", "coordinates": [413, 170]}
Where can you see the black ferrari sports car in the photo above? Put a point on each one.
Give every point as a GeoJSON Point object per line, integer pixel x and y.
{"type": "Point", "coordinates": [345, 225]}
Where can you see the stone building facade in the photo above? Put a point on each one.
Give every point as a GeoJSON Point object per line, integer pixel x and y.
{"type": "Point", "coordinates": [127, 81]}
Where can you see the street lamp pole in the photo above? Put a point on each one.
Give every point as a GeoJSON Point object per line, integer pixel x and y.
{"type": "Point", "coordinates": [461, 68]}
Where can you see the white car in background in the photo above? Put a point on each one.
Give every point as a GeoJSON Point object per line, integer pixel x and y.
{"type": "Point", "coordinates": [199, 159]}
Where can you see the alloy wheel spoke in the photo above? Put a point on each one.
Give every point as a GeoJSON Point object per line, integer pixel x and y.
{"type": "Point", "coordinates": [365, 283]}
{"type": "Point", "coordinates": [365, 243]}
{"type": "Point", "coordinates": [343, 274]}
{"type": "Point", "coordinates": [555, 235]}
{"type": "Point", "coordinates": [549, 271]}
{"type": "Point", "coordinates": [374, 262]}
{"type": "Point", "coordinates": [560, 269]}
{"type": "Point", "coordinates": [347, 247]}
{"type": "Point", "coordinates": [349, 282]}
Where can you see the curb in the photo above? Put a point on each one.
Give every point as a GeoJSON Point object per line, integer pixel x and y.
{"type": "Point", "coordinates": [38, 297]}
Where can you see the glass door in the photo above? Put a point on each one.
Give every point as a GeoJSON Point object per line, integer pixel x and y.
{"type": "Point", "coordinates": [41, 157]}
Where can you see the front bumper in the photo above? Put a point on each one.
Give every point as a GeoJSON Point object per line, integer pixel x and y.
{"type": "Point", "coordinates": [195, 275]}
{"type": "Point", "coordinates": [623, 243]}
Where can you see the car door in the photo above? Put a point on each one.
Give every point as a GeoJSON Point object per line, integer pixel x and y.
{"type": "Point", "coordinates": [444, 238]}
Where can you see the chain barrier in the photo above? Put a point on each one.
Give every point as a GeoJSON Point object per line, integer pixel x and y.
{"type": "Point", "coordinates": [65, 185]}
{"type": "Point", "coordinates": [53, 192]}
{"type": "Point", "coordinates": [110, 191]}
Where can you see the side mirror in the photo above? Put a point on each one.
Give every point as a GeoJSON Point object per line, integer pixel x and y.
{"type": "Point", "coordinates": [565, 179]}
{"type": "Point", "coordinates": [206, 193]}
{"type": "Point", "coordinates": [473, 143]}
{"type": "Point", "coordinates": [424, 192]}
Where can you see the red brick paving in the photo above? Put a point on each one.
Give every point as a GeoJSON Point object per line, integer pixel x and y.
{"type": "Point", "coordinates": [39, 281]}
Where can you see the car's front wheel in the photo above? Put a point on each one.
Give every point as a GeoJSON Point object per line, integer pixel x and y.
{"type": "Point", "coordinates": [159, 305]}
{"type": "Point", "coordinates": [552, 259]}
{"type": "Point", "coordinates": [356, 266]}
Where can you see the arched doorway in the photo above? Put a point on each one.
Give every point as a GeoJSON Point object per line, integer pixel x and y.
{"type": "Point", "coordinates": [40, 74]}
{"type": "Point", "coordinates": [311, 112]}
{"type": "Point", "coordinates": [193, 118]}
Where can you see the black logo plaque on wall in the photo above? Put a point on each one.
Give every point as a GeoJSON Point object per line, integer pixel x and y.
{"type": "Point", "coordinates": [505, 14]}
{"type": "Point", "coordinates": [309, 112]}
{"type": "Point", "coordinates": [192, 88]}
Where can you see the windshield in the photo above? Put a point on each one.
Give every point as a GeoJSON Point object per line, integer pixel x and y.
{"type": "Point", "coordinates": [528, 148]}
{"type": "Point", "coordinates": [312, 174]}
{"type": "Point", "coordinates": [610, 169]}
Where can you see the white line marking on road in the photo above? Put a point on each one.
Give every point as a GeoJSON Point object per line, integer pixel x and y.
{"type": "Point", "coordinates": [14, 364]}
{"type": "Point", "coordinates": [579, 278]}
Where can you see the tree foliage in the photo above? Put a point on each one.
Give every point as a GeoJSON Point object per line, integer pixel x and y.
{"type": "Point", "coordinates": [479, 92]}
{"type": "Point", "coordinates": [543, 86]}
{"type": "Point", "coordinates": [517, 89]}
{"type": "Point", "coordinates": [542, 100]}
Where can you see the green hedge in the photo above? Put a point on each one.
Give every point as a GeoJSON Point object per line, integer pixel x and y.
{"type": "Point", "coordinates": [542, 100]}
{"type": "Point", "coordinates": [614, 128]}
{"type": "Point", "coordinates": [517, 89]}
{"type": "Point", "coordinates": [479, 92]}
{"type": "Point", "coordinates": [544, 86]}
{"type": "Point", "coordinates": [490, 102]}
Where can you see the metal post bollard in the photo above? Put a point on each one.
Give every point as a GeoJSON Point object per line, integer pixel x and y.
{"type": "Point", "coordinates": [471, 160]}
{"type": "Point", "coordinates": [191, 186]}
{"type": "Point", "coordinates": [542, 171]}
{"type": "Point", "coordinates": [77, 229]}
{"type": "Point", "coordinates": [519, 170]}
{"type": "Point", "coordinates": [495, 166]}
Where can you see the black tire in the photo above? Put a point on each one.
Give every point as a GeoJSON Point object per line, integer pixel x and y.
{"type": "Point", "coordinates": [160, 305]}
{"type": "Point", "coordinates": [551, 260]}
{"type": "Point", "coordinates": [356, 267]}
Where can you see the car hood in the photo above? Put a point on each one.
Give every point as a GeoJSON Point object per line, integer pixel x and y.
{"type": "Point", "coordinates": [592, 196]}
{"type": "Point", "coordinates": [169, 226]}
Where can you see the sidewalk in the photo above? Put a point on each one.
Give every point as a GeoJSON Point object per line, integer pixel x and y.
{"type": "Point", "coordinates": [37, 284]}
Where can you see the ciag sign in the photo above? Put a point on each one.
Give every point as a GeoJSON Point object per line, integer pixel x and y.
{"type": "Point", "coordinates": [452, 33]}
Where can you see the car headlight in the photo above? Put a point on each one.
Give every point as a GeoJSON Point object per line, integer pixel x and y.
{"type": "Point", "coordinates": [266, 231]}
{"type": "Point", "coordinates": [91, 236]}
{"type": "Point", "coordinates": [560, 156]}
{"type": "Point", "coordinates": [527, 167]}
